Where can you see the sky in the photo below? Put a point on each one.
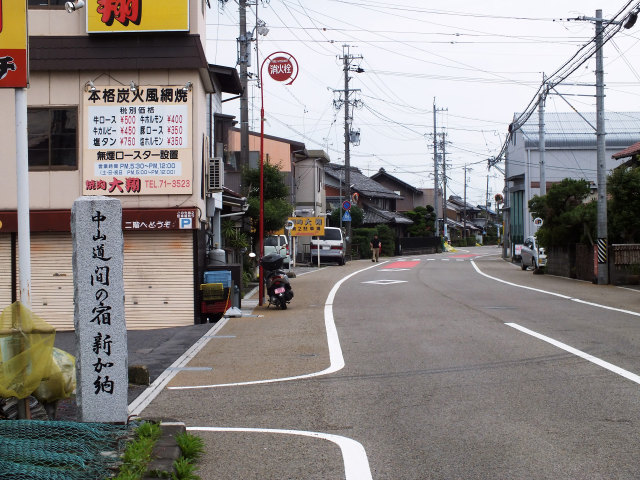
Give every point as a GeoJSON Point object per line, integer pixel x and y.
{"type": "Point", "coordinates": [478, 62]}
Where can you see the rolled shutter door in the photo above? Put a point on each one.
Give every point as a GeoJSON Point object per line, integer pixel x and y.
{"type": "Point", "coordinates": [158, 279]}
{"type": "Point", "coordinates": [5, 270]}
{"type": "Point", "coordinates": [52, 279]}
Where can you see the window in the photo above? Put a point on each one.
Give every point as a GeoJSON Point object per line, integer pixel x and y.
{"type": "Point", "coordinates": [46, 3]}
{"type": "Point", "coordinates": [52, 138]}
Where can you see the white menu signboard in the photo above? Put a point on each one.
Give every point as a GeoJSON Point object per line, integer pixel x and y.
{"type": "Point", "coordinates": [137, 141]}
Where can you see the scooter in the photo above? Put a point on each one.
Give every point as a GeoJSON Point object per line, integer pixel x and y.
{"type": "Point", "coordinates": [278, 287]}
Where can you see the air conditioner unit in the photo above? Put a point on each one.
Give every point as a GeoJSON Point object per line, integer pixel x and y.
{"type": "Point", "coordinates": [215, 174]}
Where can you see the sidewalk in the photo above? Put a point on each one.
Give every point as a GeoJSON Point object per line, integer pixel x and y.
{"type": "Point", "coordinates": [155, 349]}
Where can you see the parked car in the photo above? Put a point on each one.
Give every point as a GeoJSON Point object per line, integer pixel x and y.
{"type": "Point", "coordinates": [331, 245]}
{"type": "Point", "coordinates": [532, 255]}
{"type": "Point", "coordinates": [278, 244]}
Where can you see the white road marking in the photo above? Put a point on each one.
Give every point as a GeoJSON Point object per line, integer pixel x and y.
{"type": "Point", "coordinates": [385, 282]}
{"type": "Point", "coordinates": [431, 259]}
{"type": "Point", "coordinates": [445, 259]}
{"type": "Point", "coordinates": [354, 456]}
{"type": "Point", "coordinates": [152, 391]}
{"type": "Point", "coordinates": [566, 297]}
{"type": "Point", "coordinates": [336, 360]}
{"type": "Point", "coordinates": [393, 270]}
{"type": "Point", "coordinates": [609, 366]}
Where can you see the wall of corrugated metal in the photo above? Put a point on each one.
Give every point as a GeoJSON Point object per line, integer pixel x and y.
{"type": "Point", "coordinates": [5, 270]}
{"type": "Point", "coordinates": [158, 279]}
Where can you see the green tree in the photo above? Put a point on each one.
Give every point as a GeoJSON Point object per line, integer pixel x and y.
{"type": "Point", "coordinates": [356, 213]}
{"type": "Point", "coordinates": [277, 207]}
{"type": "Point", "coordinates": [566, 218]}
{"type": "Point", "coordinates": [423, 221]}
{"type": "Point", "coordinates": [623, 212]}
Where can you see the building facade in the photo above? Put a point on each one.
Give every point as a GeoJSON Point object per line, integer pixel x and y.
{"type": "Point", "coordinates": [570, 152]}
{"type": "Point", "coordinates": [120, 103]}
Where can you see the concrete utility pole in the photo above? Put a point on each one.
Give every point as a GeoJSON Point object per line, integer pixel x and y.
{"type": "Point", "coordinates": [541, 138]}
{"type": "Point", "coordinates": [243, 62]}
{"type": "Point", "coordinates": [435, 167]}
{"type": "Point", "coordinates": [486, 207]}
{"type": "Point", "coordinates": [602, 243]}
{"type": "Point", "coordinates": [464, 217]}
{"type": "Point", "coordinates": [436, 181]}
{"type": "Point", "coordinates": [603, 262]}
{"type": "Point", "coordinates": [445, 230]}
{"type": "Point", "coordinates": [347, 60]}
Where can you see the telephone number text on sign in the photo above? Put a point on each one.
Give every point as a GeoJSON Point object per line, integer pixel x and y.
{"type": "Point", "coordinates": [137, 126]}
{"type": "Point", "coordinates": [139, 169]}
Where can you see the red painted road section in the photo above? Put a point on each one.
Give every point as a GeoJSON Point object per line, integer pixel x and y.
{"type": "Point", "coordinates": [401, 265]}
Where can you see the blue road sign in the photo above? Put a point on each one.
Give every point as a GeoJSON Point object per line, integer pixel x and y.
{"type": "Point", "coordinates": [346, 217]}
{"type": "Point", "coordinates": [346, 205]}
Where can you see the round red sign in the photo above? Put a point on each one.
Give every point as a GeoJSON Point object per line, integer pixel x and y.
{"type": "Point", "coordinates": [280, 69]}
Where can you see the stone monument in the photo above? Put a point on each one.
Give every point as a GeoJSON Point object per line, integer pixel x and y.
{"type": "Point", "coordinates": [101, 331]}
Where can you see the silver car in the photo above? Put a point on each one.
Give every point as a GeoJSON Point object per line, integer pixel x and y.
{"type": "Point", "coordinates": [278, 244]}
{"type": "Point", "coordinates": [532, 255]}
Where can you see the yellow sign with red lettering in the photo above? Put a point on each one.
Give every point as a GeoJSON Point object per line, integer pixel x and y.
{"type": "Point", "coordinates": [14, 66]}
{"type": "Point", "coordinates": [125, 16]}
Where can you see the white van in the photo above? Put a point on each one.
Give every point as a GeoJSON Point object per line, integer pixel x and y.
{"type": "Point", "coordinates": [331, 246]}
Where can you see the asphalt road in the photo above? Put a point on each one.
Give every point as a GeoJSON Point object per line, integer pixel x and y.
{"type": "Point", "coordinates": [451, 370]}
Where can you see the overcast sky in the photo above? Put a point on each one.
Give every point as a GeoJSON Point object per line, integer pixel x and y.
{"type": "Point", "coordinates": [482, 61]}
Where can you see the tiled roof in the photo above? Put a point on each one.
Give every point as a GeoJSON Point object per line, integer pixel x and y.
{"type": "Point", "coordinates": [374, 215]}
{"type": "Point", "coordinates": [628, 152]}
{"type": "Point", "coordinates": [361, 183]}
{"type": "Point", "coordinates": [383, 173]}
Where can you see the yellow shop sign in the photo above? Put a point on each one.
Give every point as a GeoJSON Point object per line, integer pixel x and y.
{"type": "Point", "coordinates": [120, 16]}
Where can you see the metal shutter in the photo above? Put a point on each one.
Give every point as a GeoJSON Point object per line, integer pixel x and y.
{"type": "Point", "coordinates": [158, 279]}
{"type": "Point", "coordinates": [52, 279]}
{"type": "Point", "coordinates": [5, 270]}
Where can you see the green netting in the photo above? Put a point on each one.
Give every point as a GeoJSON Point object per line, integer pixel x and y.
{"type": "Point", "coordinates": [60, 450]}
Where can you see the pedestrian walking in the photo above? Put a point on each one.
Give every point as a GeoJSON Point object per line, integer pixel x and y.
{"type": "Point", "coordinates": [375, 245]}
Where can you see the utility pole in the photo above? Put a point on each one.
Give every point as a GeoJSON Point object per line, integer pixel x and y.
{"type": "Point", "coordinates": [486, 207]}
{"type": "Point", "coordinates": [347, 60]}
{"type": "Point", "coordinates": [601, 212]}
{"type": "Point", "coordinates": [435, 167]}
{"type": "Point", "coordinates": [464, 216]}
{"type": "Point", "coordinates": [541, 138]}
{"type": "Point", "coordinates": [603, 263]}
{"type": "Point", "coordinates": [243, 62]}
{"type": "Point", "coordinates": [436, 180]}
{"type": "Point", "coordinates": [445, 230]}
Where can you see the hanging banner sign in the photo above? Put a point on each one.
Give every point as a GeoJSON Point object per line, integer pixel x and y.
{"type": "Point", "coordinates": [119, 16]}
{"type": "Point", "coordinates": [14, 65]}
{"type": "Point", "coordinates": [138, 142]}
